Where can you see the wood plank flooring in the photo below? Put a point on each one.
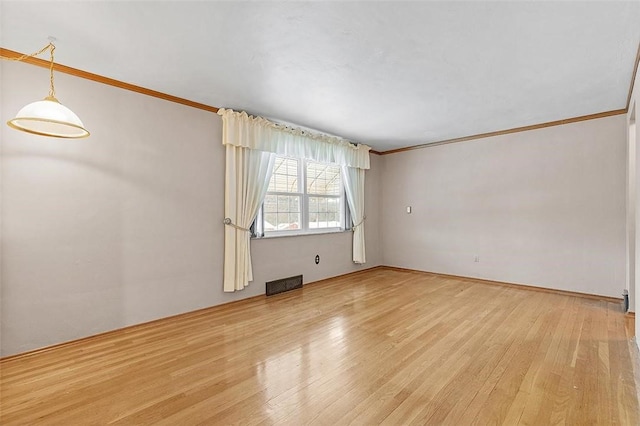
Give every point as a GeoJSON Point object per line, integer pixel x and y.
{"type": "Point", "coordinates": [381, 347]}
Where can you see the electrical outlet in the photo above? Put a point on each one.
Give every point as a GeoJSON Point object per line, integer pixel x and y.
{"type": "Point", "coordinates": [317, 259]}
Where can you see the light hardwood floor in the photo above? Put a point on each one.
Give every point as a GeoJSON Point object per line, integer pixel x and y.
{"type": "Point", "coordinates": [384, 346]}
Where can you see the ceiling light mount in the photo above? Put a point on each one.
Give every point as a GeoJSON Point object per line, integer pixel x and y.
{"type": "Point", "coordinates": [48, 117]}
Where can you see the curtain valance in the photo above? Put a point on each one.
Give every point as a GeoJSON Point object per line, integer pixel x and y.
{"type": "Point", "coordinates": [260, 134]}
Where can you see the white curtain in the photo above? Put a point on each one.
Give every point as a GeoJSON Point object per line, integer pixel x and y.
{"type": "Point", "coordinates": [252, 144]}
{"type": "Point", "coordinates": [240, 129]}
{"type": "Point", "coordinates": [247, 177]}
{"type": "Point", "coordinates": [354, 187]}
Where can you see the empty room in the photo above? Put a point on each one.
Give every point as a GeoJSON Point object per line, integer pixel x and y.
{"type": "Point", "coordinates": [327, 213]}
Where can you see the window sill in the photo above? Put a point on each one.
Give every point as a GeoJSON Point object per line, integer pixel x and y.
{"type": "Point", "coordinates": [300, 234]}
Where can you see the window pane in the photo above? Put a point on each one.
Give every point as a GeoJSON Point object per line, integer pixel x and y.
{"type": "Point", "coordinates": [285, 176]}
{"type": "Point", "coordinates": [294, 221]}
{"type": "Point", "coordinates": [324, 212]}
{"type": "Point", "coordinates": [333, 220]}
{"type": "Point", "coordinates": [313, 204]}
{"type": "Point", "coordinates": [322, 190]}
{"type": "Point", "coordinates": [281, 212]}
{"type": "Point", "coordinates": [323, 179]}
{"type": "Point", "coordinates": [283, 203]}
{"type": "Point", "coordinates": [333, 205]}
{"type": "Point", "coordinates": [270, 203]}
{"type": "Point", "coordinates": [283, 221]}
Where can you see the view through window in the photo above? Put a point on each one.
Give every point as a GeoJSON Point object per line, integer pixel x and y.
{"type": "Point", "coordinates": [303, 196]}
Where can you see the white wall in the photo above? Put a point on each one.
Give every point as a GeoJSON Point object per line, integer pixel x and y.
{"type": "Point", "coordinates": [632, 116]}
{"type": "Point", "coordinates": [633, 238]}
{"type": "Point", "coordinates": [632, 177]}
{"type": "Point", "coordinates": [544, 207]}
{"type": "Point", "coordinates": [126, 226]}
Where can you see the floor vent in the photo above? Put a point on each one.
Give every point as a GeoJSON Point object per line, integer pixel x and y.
{"type": "Point", "coordinates": [284, 284]}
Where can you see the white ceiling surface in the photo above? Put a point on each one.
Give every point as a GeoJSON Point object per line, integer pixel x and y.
{"type": "Point", "coordinates": [388, 74]}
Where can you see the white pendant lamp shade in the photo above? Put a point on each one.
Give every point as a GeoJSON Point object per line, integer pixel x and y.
{"type": "Point", "coordinates": [49, 118]}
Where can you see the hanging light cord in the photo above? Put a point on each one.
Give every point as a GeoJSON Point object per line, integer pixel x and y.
{"type": "Point", "coordinates": [50, 47]}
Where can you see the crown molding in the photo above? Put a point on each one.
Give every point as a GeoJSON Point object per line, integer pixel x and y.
{"type": "Point", "coordinates": [534, 126]}
{"type": "Point", "coordinates": [508, 131]}
{"type": "Point", "coordinates": [106, 80]}
{"type": "Point", "coordinates": [138, 89]}
{"type": "Point", "coordinates": [633, 78]}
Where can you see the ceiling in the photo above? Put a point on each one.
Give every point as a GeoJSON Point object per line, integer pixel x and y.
{"type": "Point", "coordinates": [388, 74]}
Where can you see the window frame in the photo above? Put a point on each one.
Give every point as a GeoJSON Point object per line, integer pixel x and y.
{"type": "Point", "coordinates": [257, 229]}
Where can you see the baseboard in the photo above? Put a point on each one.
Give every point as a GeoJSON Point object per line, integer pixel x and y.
{"type": "Point", "coordinates": [508, 284]}
{"type": "Point", "coordinates": [202, 311]}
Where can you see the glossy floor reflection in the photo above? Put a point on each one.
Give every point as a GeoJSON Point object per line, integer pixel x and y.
{"type": "Point", "coordinates": [383, 346]}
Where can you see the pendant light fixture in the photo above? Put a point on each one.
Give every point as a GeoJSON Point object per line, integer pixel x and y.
{"type": "Point", "coordinates": [48, 117]}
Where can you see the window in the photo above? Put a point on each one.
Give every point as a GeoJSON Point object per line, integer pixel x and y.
{"type": "Point", "coordinates": [303, 197]}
